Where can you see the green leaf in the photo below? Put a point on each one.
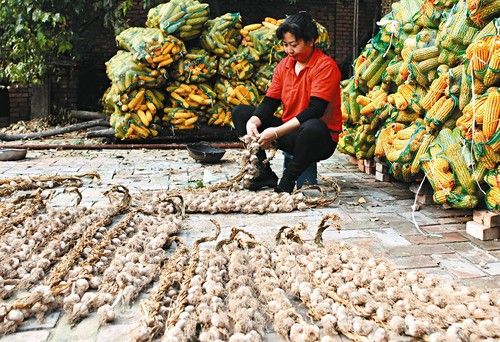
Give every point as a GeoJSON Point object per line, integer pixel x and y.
{"type": "Point", "coordinates": [64, 47]}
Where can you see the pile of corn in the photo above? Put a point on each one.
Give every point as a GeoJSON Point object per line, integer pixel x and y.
{"type": "Point", "coordinates": [425, 97]}
{"type": "Point", "coordinates": [159, 87]}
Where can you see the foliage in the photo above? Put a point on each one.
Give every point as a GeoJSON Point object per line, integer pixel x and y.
{"type": "Point", "coordinates": [35, 32]}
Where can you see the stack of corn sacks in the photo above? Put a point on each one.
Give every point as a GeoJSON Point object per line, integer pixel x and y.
{"type": "Point", "coordinates": [434, 78]}
{"type": "Point", "coordinates": [158, 86]}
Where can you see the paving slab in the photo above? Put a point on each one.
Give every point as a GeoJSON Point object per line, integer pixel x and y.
{"type": "Point", "coordinates": [458, 266]}
{"type": "Point", "coordinates": [415, 262]}
{"type": "Point", "coordinates": [27, 336]}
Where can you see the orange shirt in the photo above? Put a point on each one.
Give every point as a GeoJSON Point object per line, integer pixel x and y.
{"type": "Point", "coordinates": [319, 78]}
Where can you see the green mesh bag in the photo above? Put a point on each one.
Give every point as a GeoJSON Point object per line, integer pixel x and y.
{"type": "Point", "coordinates": [182, 18]}
{"type": "Point", "coordinates": [197, 66]}
{"type": "Point", "coordinates": [264, 76]}
{"type": "Point", "coordinates": [152, 46]}
{"type": "Point", "coordinates": [126, 73]}
{"type": "Point", "coordinates": [221, 35]}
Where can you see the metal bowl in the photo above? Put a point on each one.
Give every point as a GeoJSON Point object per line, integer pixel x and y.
{"type": "Point", "coordinates": [12, 154]}
{"type": "Point", "coordinates": [204, 153]}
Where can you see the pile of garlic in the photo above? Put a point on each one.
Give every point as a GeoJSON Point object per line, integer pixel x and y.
{"type": "Point", "coordinates": [242, 289]}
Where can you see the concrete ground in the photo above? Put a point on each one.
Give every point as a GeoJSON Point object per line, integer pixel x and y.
{"type": "Point", "coordinates": [375, 215]}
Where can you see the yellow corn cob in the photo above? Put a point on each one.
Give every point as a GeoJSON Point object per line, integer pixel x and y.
{"type": "Point", "coordinates": [137, 100]}
{"type": "Point", "coordinates": [452, 150]}
{"type": "Point", "coordinates": [426, 53]}
{"type": "Point", "coordinates": [479, 87]}
{"type": "Point", "coordinates": [428, 64]}
{"type": "Point", "coordinates": [444, 111]}
{"type": "Point", "coordinates": [415, 165]}
{"type": "Point", "coordinates": [406, 133]}
{"type": "Point", "coordinates": [378, 102]}
{"type": "Point", "coordinates": [406, 90]}
{"type": "Point", "coordinates": [437, 89]}
{"type": "Point", "coordinates": [491, 113]}
{"type": "Point", "coordinates": [440, 197]}
{"type": "Point", "coordinates": [435, 107]}
{"type": "Point", "coordinates": [363, 100]}
{"type": "Point", "coordinates": [489, 158]}
{"type": "Point", "coordinates": [492, 75]}
{"type": "Point", "coordinates": [493, 197]}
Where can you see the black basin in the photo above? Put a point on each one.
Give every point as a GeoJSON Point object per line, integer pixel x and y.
{"type": "Point", "coordinates": [204, 153]}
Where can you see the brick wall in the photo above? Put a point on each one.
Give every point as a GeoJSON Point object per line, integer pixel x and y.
{"type": "Point", "coordinates": [386, 6]}
{"type": "Point", "coordinates": [64, 85]}
{"type": "Point", "coordinates": [19, 102]}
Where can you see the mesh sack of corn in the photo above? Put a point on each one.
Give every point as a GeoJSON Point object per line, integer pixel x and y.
{"type": "Point", "coordinates": [180, 119]}
{"type": "Point", "coordinates": [403, 150]}
{"type": "Point", "coordinates": [323, 40]}
{"type": "Point", "coordinates": [404, 11]}
{"type": "Point", "coordinates": [109, 101]}
{"type": "Point", "coordinates": [429, 15]}
{"type": "Point", "coordinates": [446, 166]}
{"type": "Point", "coordinates": [406, 102]}
{"type": "Point", "coordinates": [182, 18]}
{"type": "Point", "coordinates": [480, 12]}
{"type": "Point", "coordinates": [236, 93]}
{"type": "Point", "coordinates": [141, 107]}
{"type": "Point", "coordinates": [220, 115]}
{"type": "Point", "coordinates": [483, 63]}
{"type": "Point", "coordinates": [237, 67]}
{"type": "Point", "coordinates": [221, 35]}
{"type": "Point", "coordinates": [264, 40]}
{"type": "Point", "coordinates": [126, 73]}
{"type": "Point", "coordinates": [151, 46]}
{"type": "Point", "coordinates": [346, 141]}
{"type": "Point", "coordinates": [481, 115]}
{"type": "Point", "coordinates": [492, 198]}
{"type": "Point", "coordinates": [263, 77]}
{"type": "Point", "coordinates": [197, 66]}
{"type": "Point", "coordinates": [351, 107]}
{"type": "Point", "coordinates": [364, 142]}
{"type": "Point", "coordinates": [130, 126]}
{"type": "Point", "coordinates": [191, 96]}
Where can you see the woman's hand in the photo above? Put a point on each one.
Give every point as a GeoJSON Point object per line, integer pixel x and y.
{"type": "Point", "coordinates": [252, 126]}
{"type": "Point", "coordinates": [252, 129]}
{"type": "Point", "coordinates": [268, 136]}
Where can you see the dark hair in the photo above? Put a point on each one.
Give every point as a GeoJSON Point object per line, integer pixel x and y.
{"type": "Point", "coordinates": [301, 25]}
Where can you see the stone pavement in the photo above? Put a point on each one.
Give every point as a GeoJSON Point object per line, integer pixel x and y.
{"type": "Point", "coordinates": [375, 215]}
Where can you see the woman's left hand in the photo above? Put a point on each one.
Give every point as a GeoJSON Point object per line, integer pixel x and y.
{"type": "Point", "coordinates": [267, 136]}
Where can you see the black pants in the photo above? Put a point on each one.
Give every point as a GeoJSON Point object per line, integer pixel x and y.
{"type": "Point", "coordinates": [309, 144]}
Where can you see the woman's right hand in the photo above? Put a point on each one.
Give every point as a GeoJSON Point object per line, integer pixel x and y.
{"type": "Point", "coordinates": [253, 127]}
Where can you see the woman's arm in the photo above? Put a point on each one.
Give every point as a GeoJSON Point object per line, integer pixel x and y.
{"type": "Point", "coordinates": [315, 109]}
{"type": "Point", "coordinates": [262, 113]}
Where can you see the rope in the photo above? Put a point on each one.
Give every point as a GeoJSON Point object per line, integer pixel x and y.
{"type": "Point", "coordinates": [414, 209]}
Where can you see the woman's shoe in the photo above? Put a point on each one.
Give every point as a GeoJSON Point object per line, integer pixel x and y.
{"type": "Point", "coordinates": [286, 184]}
{"type": "Point", "coordinates": [266, 178]}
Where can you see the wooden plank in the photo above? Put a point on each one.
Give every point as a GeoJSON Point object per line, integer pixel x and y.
{"type": "Point", "coordinates": [486, 218]}
{"type": "Point", "coordinates": [481, 232]}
